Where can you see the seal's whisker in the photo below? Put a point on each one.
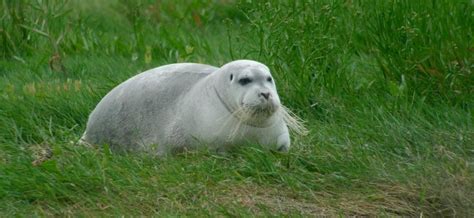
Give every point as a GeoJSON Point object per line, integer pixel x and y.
{"type": "Point", "coordinates": [225, 124]}
{"type": "Point", "coordinates": [225, 117]}
{"type": "Point", "coordinates": [235, 131]}
{"type": "Point", "coordinates": [295, 123]}
{"type": "Point", "coordinates": [238, 113]}
{"type": "Point", "coordinates": [228, 121]}
{"type": "Point", "coordinates": [245, 114]}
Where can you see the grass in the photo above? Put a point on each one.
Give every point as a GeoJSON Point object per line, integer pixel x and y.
{"type": "Point", "coordinates": [385, 88]}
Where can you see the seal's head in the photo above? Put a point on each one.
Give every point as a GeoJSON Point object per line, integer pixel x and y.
{"type": "Point", "coordinates": [248, 91]}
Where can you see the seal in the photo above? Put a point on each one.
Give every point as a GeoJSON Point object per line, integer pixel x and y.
{"type": "Point", "coordinates": [185, 106]}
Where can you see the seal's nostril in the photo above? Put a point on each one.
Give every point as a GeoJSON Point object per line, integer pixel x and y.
{"type": "Point", "coordinates": [266, 95]}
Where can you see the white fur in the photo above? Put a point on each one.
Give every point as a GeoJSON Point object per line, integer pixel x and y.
{"type": "Point", "coordinates": [184, 106]}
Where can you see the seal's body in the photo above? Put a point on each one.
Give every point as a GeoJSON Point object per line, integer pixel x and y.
{"type": "Point", "coordinates": [183, 106]}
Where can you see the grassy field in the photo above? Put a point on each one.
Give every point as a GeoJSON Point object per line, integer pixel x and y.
{"type": "Point", "coordinates": [385, 87]}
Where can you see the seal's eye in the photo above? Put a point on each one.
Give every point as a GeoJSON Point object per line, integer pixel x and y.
{"type": "Point", "coordinates": [269, 79]}
{"type": "Point", "coordinates": [244, 81]}
{"type": "Point", "coordinates": [231, 77]}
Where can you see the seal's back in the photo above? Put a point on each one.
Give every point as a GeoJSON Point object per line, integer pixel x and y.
{"type": "Point", "coordinates": [129, 116]}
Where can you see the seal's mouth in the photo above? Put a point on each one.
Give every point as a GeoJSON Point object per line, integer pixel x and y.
{"type": "Point", "coordinates": [261, 110]}
{"type": "Point", "coordinates": [256, 115]}
{"type": "Point", "coordinates": [253, 115]}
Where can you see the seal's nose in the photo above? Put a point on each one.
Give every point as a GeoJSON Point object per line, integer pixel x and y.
{"type": "Point", "coordinates": [266, 95]}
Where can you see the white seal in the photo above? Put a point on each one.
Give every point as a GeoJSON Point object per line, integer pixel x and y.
{"type": "Point", "coordinates": [184, 106]}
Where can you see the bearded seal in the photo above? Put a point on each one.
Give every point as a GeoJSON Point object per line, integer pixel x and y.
{"type": "Point", "coordinates": [188, 105]}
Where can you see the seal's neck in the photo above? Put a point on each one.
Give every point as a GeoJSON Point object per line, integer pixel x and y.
{"type": "Point", "coordinates": [227, 107]}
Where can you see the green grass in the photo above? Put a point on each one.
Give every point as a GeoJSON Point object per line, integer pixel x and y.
{"type": "Point", "coordinates": [385, 88]}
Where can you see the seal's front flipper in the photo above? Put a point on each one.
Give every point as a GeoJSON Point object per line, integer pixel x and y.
{"type": "Point", "coordinates": [283, 142]}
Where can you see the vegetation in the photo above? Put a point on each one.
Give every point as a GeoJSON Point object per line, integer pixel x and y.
{"type": "Point", "coordinates": [385, 88]}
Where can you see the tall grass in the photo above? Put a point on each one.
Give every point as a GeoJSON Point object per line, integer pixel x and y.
{"type": "Point", "coordinates": [384, 87]}
{"type": "Point", "coordinates": [398, 48]}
